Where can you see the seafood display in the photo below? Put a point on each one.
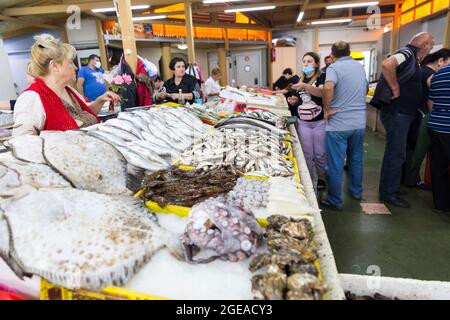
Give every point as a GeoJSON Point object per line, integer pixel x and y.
{"type": "Point", "coordinates": [251, 151]}
{"type": "Point", "coordinates": [86, 162]}
{"type": "Point", "coordinates": [287, 197]}
{"type": "Point", "coordinates": [247, 122]}
{"type": "Point", "coordinates": [266, 116]}
{"type": "Point", "coordinates": [75, 238]}
{"type": "Point", "coordinates": [290, 271]}
{"type": "Point", "coordinates": [250, 193]}
{"type": "Point", "coordinates": [15, 174]}
{"type": "Point", "coordinates": [152, 139]}
{"type": "Point", "coordinates": [217, 225]}
{"type": "Point", "coordinates": [186, 188]}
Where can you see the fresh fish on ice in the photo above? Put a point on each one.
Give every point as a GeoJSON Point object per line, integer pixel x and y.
{"type": "Point", "coordinates": [87, 162]}
{"type": "Point", "coordinates": [77, 239]}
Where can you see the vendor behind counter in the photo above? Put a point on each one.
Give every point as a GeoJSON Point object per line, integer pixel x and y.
{"type": "Point", "coordinates": [180, 81]}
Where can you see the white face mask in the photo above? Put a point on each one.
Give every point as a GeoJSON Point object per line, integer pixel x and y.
{"type": "Point", "coordinates": [98, 65]}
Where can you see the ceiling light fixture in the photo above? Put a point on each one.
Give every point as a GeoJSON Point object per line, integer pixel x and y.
{"type": "Point", "coordinates": [140, 7]}
{"type": "Point", "coordinates": [353, 5]}
{"type": "Point", "coordinates": [300, 16]}
{"type": "Point", "coordinates": [250, 9]}
{"type": "Point", "coordinates": [331, 21]}
{"type": "Point", "coordinates": [149, 18]}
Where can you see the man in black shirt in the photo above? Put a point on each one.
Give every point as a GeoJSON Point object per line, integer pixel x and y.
{"type": "Point", "coordinates": [399, 94]}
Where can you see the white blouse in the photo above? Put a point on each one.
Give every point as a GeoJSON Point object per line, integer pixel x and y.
{"type": "Point", "coordinates": [212, 86]}
{"type": "Point", "coordinates": [29, 114]}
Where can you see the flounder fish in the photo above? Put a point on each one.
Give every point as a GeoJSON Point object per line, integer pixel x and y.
{"type": "Point", "coordinates": [75, 238]}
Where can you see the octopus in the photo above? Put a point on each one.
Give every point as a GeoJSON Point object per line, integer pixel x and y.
{"type": "Point", "coordinates": [228, 231]}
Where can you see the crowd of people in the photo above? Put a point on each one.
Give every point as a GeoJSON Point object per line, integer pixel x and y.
{"type": "Point", "coordinates": [329, 103]}
{"type": "Point", "coordinates": [413, 95]}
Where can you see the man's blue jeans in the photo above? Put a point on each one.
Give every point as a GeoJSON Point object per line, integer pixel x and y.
{"type": "Point", "coordinates": [341, 144]}
{"type": "Point", "coordinates": [397, 127]}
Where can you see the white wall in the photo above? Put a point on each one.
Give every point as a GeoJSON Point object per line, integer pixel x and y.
{"type": "Point", "coordinates": [86, 36]}
{"type": "Point", "coordinates": [7, 91]}
{"type": "Point", "coordinates": [359, 39]}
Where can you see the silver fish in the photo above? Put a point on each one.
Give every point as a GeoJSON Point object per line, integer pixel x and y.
{"type": "Point", "coordinates": [124, 125]}
{"type": "Point", "coordinates": [124, 135]}
{"type": "Point", "coordinates": [109, 137]}
{"type": "Point", "coordinates": [137, 121]}
{"type": "Point", "coordinates": [138, 161]}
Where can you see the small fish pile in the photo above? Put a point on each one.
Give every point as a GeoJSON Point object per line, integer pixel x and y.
{"type": "Point", "coordinates": [250, 151]}
{"type": "Point", "coordinates": [266, 116]}
{"type": "Point", "coordinates": [77, 239]}
{"type": "Point", "coordinates": [291, 273]}
{"type": "Point", "coordinates": [206, 114]}
{"type": "Point", "coordinates": [151, 139]}
{"type": "Point", "coordinates": [250, 193]}
{"type": "Point", "coordinates": [85, 162]}
{"type": "Point", "coordinates": [218, 226]}
{"type": "Point", "coordinates": [186, 188]}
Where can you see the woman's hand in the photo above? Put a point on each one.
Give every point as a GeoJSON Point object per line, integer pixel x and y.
{"type": "Point", "coordinates": [162, 95]}
{"type": "Point", "coordinates": [298, 86]}
{"type": "Point", "coordinates": [108, 97]}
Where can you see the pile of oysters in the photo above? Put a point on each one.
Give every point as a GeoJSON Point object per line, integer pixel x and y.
{"type": "Point", "coordinates": [287, 271]}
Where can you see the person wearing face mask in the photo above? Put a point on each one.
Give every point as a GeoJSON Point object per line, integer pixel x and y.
{"type": "Point", "coordinates": [188, 84]}
{"type": "Point", "coordinates": [310, 116]}
{"type": "Point", "coordinates": [399, 94]}
{"type": "Point", "coordinates": [49, 103]}
{"type": "Point", "coordinates": [90, 81]}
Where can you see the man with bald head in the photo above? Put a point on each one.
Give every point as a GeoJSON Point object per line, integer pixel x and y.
{"type": "Point", "coordinates": [399, 95]}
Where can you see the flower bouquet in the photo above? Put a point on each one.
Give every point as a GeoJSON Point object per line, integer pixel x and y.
{"type": "Point", "coordinates": [118, 85]}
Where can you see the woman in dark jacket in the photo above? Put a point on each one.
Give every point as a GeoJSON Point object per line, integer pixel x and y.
{"type": "Point", "coordinates": [180, 81]}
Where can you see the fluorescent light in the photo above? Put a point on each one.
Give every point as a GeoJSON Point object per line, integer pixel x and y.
{"type": "Point", "coordinates": [331, 21]}
{"type": "Point", "coordinates": [182, 46]}
{"type": "Point", "coordinates": [144, 6]}
{"type": "Point", "coordinates": [353, 5]}
{"type": "Point", "coordinates": [250, 9]}
{"type": "Point", "coordinates": [149, 18]}
{"type": "Point", "coordinates": [300, 16]}
{"type": "Point", "coordinates": [219, 1]}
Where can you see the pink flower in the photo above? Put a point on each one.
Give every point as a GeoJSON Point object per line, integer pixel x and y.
{"type": "Point", "coordinates": [126, 78]}
{"type": "Point", "coordinates": [118, 80]}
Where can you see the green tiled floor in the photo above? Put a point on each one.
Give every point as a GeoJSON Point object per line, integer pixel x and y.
{"type": "Point", "coordinates": [411, 243]}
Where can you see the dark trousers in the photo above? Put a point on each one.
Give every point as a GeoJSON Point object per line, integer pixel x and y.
{"type": "Point", "coordinates": [439, 162]}
{"type": "Point", "coordinates": [397, 127]}
{"type": "Point", "coordinates": [411, 177]}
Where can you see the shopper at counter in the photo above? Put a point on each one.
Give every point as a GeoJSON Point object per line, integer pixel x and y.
{"type": "Point", "coordinates": [399, 94]}
{"type": "Point", "coordinates": [188, 84]}
{"type": "Point", "coordinates": [439, 128]}
{"type": "Point", "coordinates": [432, 63]}
{"type": "Point", "coordinates": [50, 103]}
{"type": "Point", "coordinates": [90, 81]}
{"type": "Point", "coordinates": [310, 122]}
{"type": "Point", "coordinates": [285, 81]}
{"type": "Point", "coordinates": [344, 102]}
{"type": "Point", "coordinates": [212, 86]}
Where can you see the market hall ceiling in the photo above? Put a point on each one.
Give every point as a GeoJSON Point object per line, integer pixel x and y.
{"type": "Point", "coordinates": [51, 14]}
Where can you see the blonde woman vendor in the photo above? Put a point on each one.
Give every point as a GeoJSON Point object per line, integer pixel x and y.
{"type": "Point", "coordinates": [49, 103]}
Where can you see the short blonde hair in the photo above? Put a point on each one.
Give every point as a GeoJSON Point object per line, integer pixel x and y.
{"type": "Point", "coordinates": [215, 72]}
{"type": "Point", "coordinates": [45, 49]}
